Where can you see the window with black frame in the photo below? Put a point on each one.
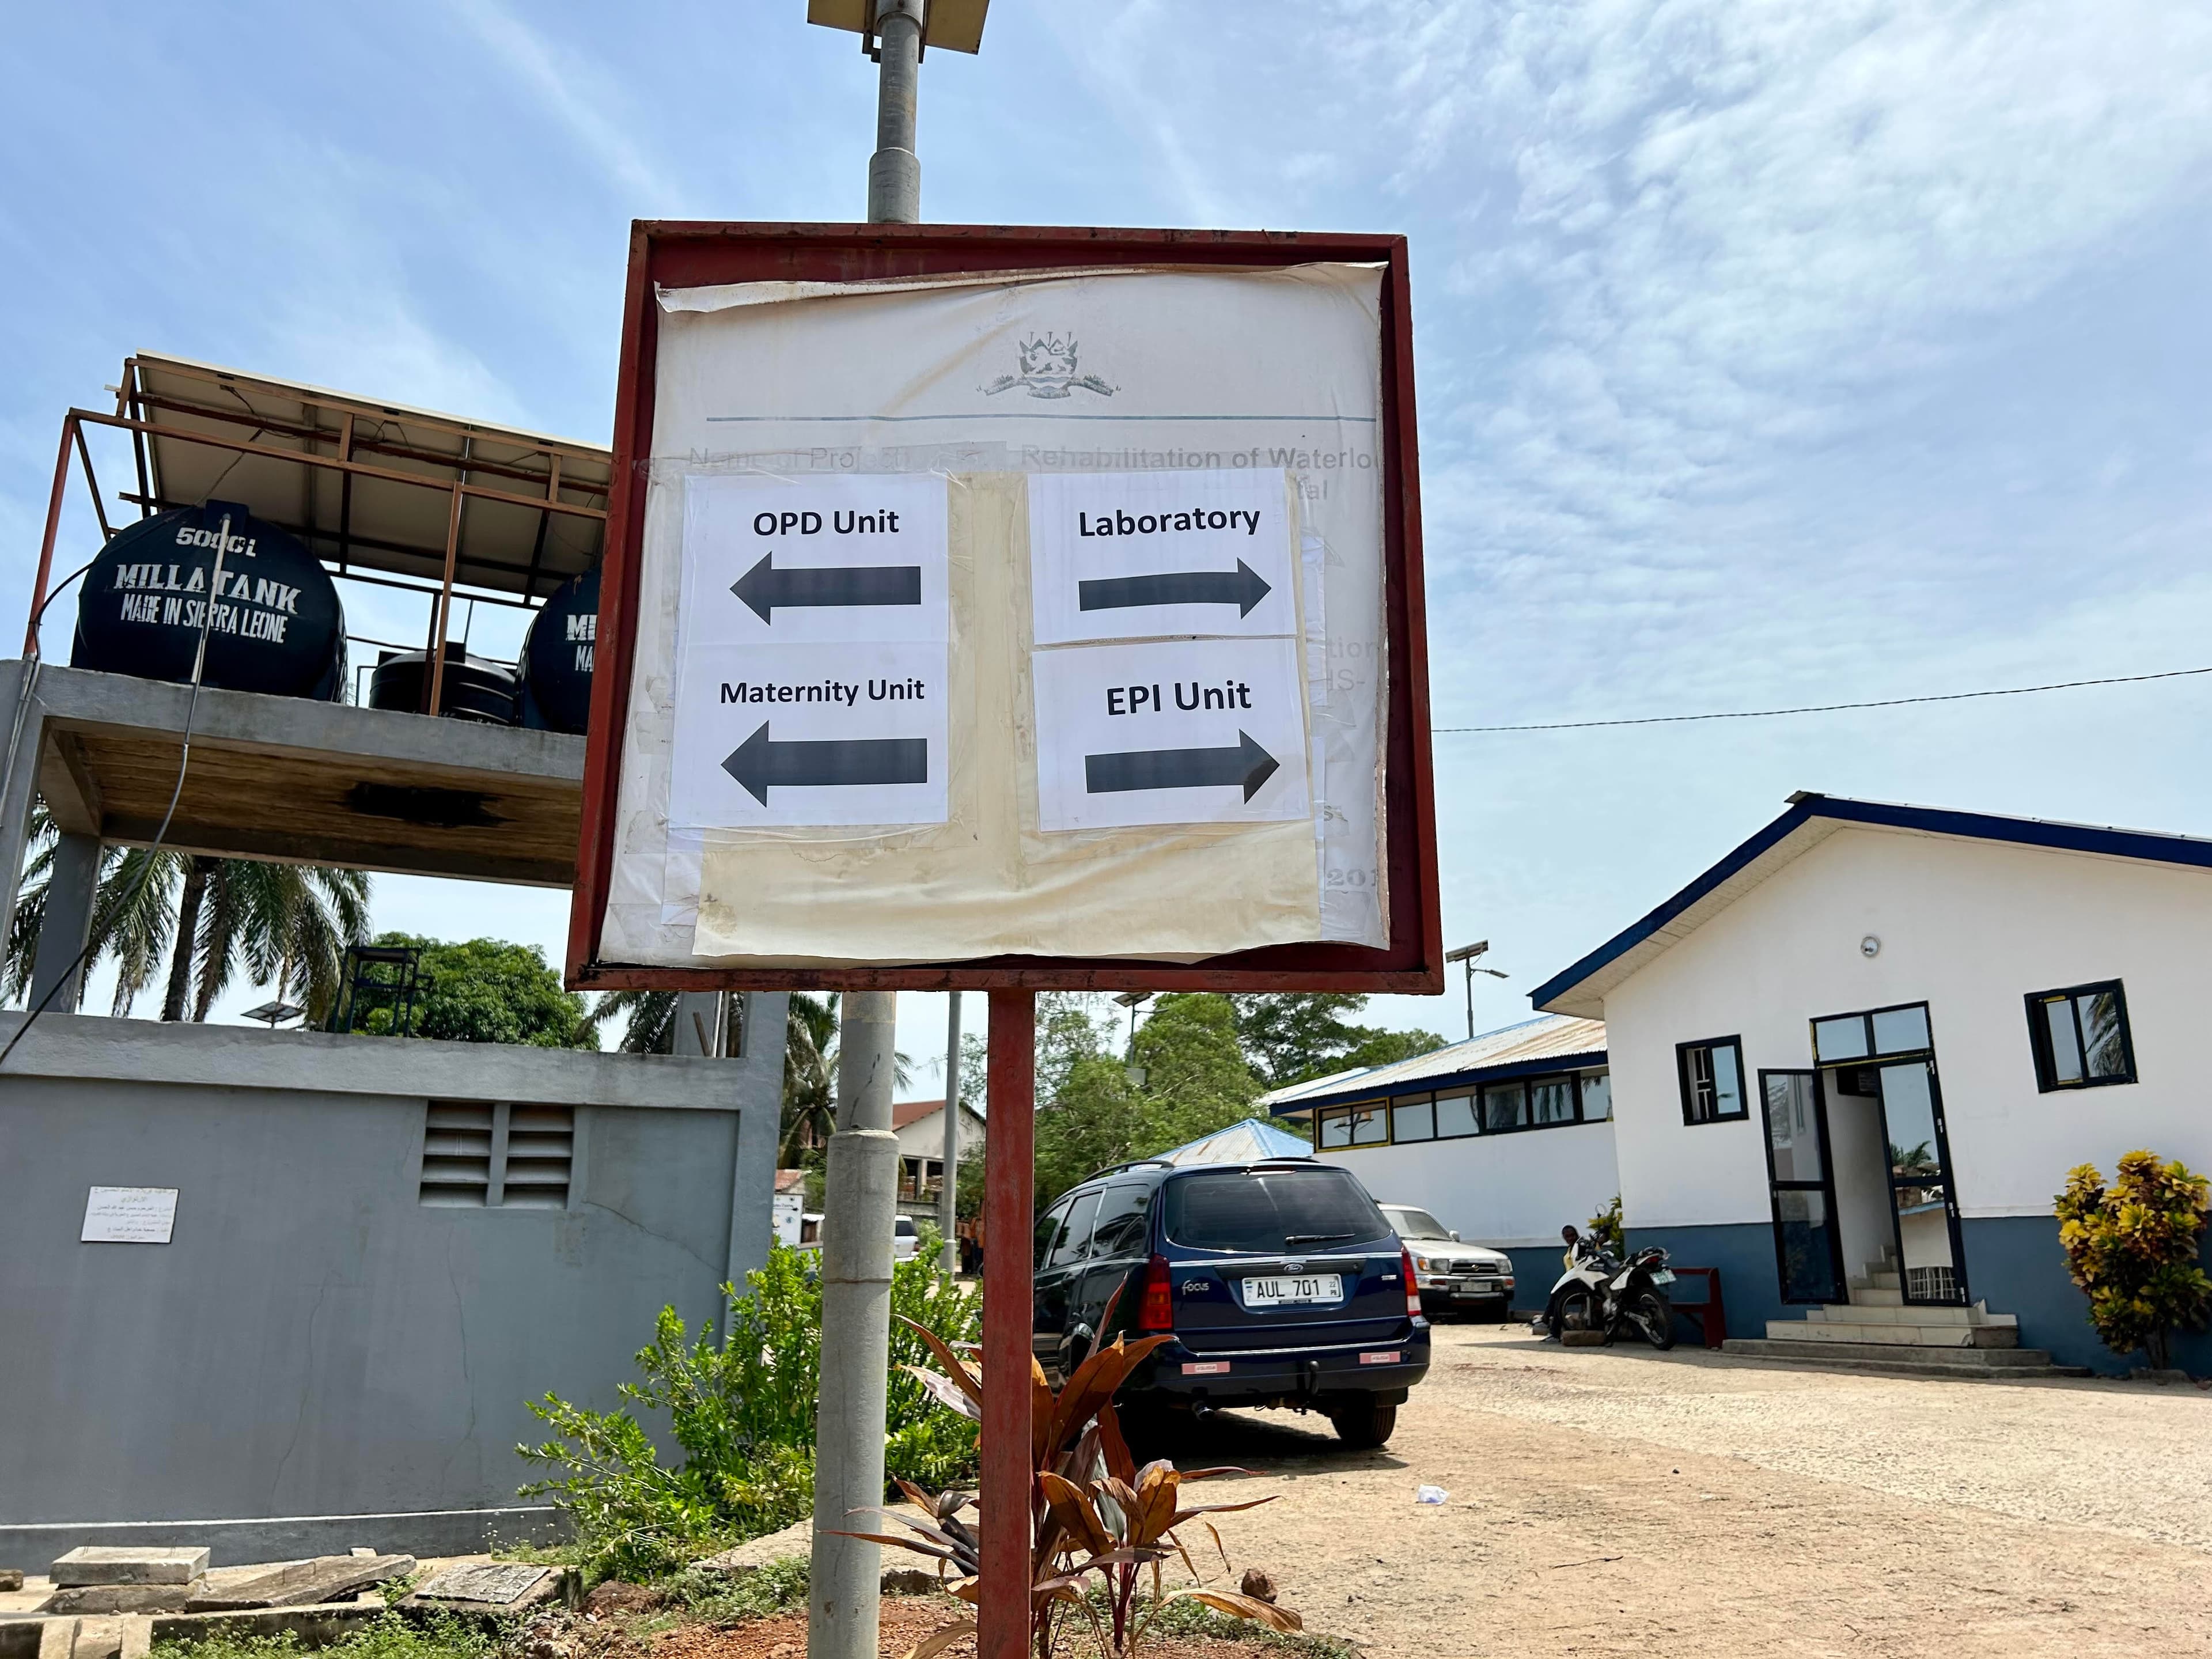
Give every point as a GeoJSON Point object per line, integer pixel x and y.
{"type": "Point", "coordinates": [1711, 1076]}
{"type": "Point", "coordinates": [2080, 1036]}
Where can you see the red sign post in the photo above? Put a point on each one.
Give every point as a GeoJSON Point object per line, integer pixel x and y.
{"type": "Point", "coordinates": [1400, 933]}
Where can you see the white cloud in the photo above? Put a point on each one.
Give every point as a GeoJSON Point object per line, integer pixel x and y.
{"type": "Point", "coordinates": [582, 101]}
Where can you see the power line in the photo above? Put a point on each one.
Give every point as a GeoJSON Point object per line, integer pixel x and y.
{"type": "Point", "coordinates": [1828, 708]}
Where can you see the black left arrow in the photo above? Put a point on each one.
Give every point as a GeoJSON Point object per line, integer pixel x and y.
{"type": "Point", "coordinates": [761, 766]}
{"type": "Point", "coordinates": [764, 587]}
{"type": "Point", "coordinates": [1247, 764]}
{"type": "Point", "coordinates": [1243, 587]}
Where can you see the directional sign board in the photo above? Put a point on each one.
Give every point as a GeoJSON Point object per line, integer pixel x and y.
{"type": "Point", "coordinates": [1011, 609]}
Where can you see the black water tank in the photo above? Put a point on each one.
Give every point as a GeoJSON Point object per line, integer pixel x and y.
{"type": "Point", "coordinates": [473, 688]}
{"type": "Point", "coordinates": [277, 626]}
{"type": "Point", "coordinates": [556, 657]}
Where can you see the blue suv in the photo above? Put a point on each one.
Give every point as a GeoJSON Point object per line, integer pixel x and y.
{"type": "Point", "coordinates": [1280, 1282]}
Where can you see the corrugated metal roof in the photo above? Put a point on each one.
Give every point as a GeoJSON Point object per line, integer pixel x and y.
{"type": "Point", "coordinates": [1249, 1142]}
{"type": "Point", "coordinates": [1547, 1037]}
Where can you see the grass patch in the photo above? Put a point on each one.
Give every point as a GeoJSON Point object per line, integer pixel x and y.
{"type": "Point", "coordinates": [1195, 1619]}
{"type": "Point", "coordinates": [389, 1636]}
{"type": "Point", "coordinates": [728, 1598]}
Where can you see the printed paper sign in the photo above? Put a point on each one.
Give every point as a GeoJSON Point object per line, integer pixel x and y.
{"type": "Point", "coordinates": [129, 1215]}
{"type": "Point", "coordinates": [1172, 731]}
{"type": "Point", "coordinates": [1118, 555]}
{"type": "Point", "coordinates": [811, 653]}
{"type": "Point", "coordinates": [811, 734]}
{"type": "Point", "coordinates": [773, 561]}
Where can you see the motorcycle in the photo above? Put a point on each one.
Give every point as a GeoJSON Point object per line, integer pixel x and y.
{"type": "Point", "coordinates": [1598, 1293]}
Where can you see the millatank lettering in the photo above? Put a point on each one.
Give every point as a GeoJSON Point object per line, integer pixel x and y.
{"type": "Point", "coordinates": [168, 595]}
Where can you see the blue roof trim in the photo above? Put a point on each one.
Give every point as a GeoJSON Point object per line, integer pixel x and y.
{"type": "Point", "coordinates": [1977, 826]}
{"type": "Point", "coordinates": [1446, 1081]}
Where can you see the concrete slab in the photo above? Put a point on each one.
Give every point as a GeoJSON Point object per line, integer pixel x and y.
{"type": "Point", "coordinates": [316, 1626]}
{"type": "Point", "coordinates": [98, 1564]}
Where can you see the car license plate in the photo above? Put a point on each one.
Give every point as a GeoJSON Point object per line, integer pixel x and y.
{"type": "Point", "coordinates": [1662, 1277]}
{"type": "Point", "coordinates": [1284, 1289]}
{"type": "Point", "coordinates": [1476, 1287]}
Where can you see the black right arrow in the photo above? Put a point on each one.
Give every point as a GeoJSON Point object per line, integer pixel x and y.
{"type": "Point", "coordinates": [764, 587]}
{"type": "Point", "coordinates": [1243, 588]}
{"type": "Point", "coordinates": [1180, 768]}
{"type": "Point", "coordinates": [761, 766]}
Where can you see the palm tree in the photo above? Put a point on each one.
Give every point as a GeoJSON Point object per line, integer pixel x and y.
{"type": "Point", "coordinates": [648, 1019]}
{"type": "Point", "coordinates": [810, 1076]}
{"type": "Point", "coordinates": [286, 924]}
{"type": "Point", "coordinates": [810, 1057]}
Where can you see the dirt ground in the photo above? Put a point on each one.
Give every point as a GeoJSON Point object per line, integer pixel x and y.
{"type": "Point", "coordinates": [906, 1620]}
{"type": "Point", "coordinates": [1624, 1501]}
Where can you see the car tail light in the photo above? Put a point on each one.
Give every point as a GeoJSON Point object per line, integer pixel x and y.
{"type": "Point", "coordinates": [1158, 1313]}
{"type": "Point", "coordinates": [1413, 1284]}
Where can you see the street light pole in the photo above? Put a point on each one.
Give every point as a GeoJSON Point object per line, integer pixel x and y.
{"type": "Point", "coordinates": [860, 1205]}
{"type": "Point", "coordinates": [895, 171]}
{"type": "Point", "coordinates": [948, 1184]}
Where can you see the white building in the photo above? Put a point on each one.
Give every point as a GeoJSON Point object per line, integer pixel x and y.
{"type": "Point", "coordinates": [1854, 1061]}
{"type": "Point", "coordinates": [1504, 1139]}
{"type": "Point", "coordinates": [920, 1126]}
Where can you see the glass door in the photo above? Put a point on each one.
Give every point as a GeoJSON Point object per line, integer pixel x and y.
{"type": "Point", "coordinates": [1922, 1198]}
{"type": "Point", "coordinates": [1808, 1252]}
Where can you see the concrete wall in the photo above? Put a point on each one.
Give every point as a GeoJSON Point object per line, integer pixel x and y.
{"type": "Point", "coordinates": [1507, 1191]}
{"type": "Point", "coordinates": [318, 1358]}
{"type": "Point", "coordinates": [1970, 928]}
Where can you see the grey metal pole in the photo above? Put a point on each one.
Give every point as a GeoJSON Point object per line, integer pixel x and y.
{"type": "Point", "coordinates": [860, 1203]}
{"type": "Point", "coordinates": [948, 1196]}
{"type": "Point", "coordinates": [895, 171]}
{"type": "Point", "coordinates": [859, 1210]}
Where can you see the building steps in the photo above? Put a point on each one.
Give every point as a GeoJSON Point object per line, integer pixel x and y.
{"type": "Point", "coordinates": [1898, 1360]}
{"type": "Point", "coordinates": [1876, 1330]}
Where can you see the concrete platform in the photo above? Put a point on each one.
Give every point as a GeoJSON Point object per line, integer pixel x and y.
{"type": "Point", "coordinates": [318, 782]}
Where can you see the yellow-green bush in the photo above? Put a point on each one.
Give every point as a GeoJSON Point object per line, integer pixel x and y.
{"type": "Point", "coordinates": [2133, 1247]}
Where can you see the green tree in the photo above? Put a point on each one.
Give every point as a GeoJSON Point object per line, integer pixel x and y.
{"type": "Point", "coordinates": [2134, 1248]}
{"type": "Point", "coordinates": [487, 990]}
{"type": "Point", "coordinates": [286, 925]}
{"type": "Point", "coordinates": [1379, 1048]}
{"type": "Point", "coordinates": [1295, 1037]}
{"type": "Point", "coordinates": [1196, 1079]}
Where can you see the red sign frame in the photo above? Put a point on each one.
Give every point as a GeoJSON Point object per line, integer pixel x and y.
{"type": "Point", "coordinates": [684, 254]}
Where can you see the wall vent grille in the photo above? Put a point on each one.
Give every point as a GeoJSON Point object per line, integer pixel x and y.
{"type": "Point", "coordinates": [478, 1156]}
{"type": "Point", "coordinates": [457, 1146]}
{"type": "Point", "coordinates": [541, 1144]}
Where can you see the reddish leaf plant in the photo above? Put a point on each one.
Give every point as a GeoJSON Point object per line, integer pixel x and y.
{"type": "Point", "coordinates": [1092, 1510]}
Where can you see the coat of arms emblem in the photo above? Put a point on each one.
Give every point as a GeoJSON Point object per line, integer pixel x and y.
{"type": "Point", "coordinates": [1048, 370]}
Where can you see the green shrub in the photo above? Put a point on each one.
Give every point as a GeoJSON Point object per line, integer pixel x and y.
{"type": "Point", "coordinates": [1604, 1227]}
{"type": "Point", "coordinates": [742, 1411]}
{"type": "Point", "coordinates": [2134, 1249]}
{"type": "Point", "coordinates": [387, 1636]}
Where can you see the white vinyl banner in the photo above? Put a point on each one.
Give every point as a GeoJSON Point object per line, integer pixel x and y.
{"type": "Point", "coordinates": [1036, 615]}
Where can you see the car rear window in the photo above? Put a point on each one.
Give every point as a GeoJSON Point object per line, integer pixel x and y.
{"type": "Point", "coordinates": [1267, 1211]}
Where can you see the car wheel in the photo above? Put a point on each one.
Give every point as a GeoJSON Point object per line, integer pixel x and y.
{"type": "Point", "coordinates": [1363, 1423]}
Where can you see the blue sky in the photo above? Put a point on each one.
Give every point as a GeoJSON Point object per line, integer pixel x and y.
{"type": "Point", "coordinates": [1767, 353]}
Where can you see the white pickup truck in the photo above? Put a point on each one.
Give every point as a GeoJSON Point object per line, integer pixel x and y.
{"type": "Point", "coordinates": [1453, 1276]}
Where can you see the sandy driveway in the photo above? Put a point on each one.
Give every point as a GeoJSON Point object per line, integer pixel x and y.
{"type": "Point", "coordinates": [1618, 1502]}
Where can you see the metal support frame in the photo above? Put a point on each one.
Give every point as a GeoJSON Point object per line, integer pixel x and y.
{"type": "Point", "coordinates": [948, 1176]}
{"type": "Point", "coordinates": [149, 497]}
{"type": "Point", "coordinates": [1009, 1182]}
